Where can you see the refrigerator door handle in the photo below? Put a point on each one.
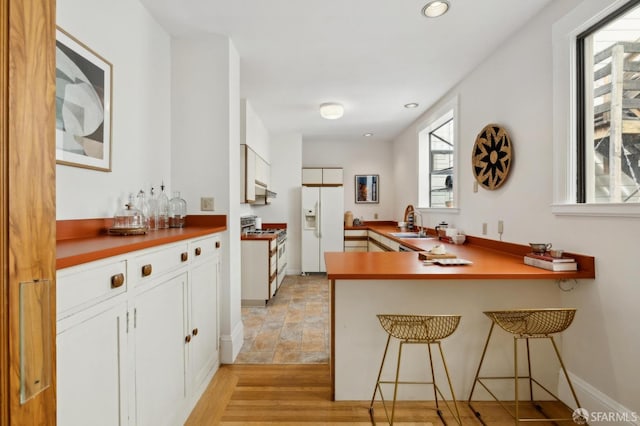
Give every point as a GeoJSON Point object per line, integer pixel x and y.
{"type": "Point", "coordinates": [318, 222]}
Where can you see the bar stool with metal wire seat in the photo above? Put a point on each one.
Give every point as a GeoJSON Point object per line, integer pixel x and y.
{"type": "Point", "coordinates": [416, 329]}
{"type": "Point", "coordinates": [527, 324]}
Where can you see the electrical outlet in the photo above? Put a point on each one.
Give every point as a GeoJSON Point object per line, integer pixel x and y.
{"type": "Point", "coordinates": [500, 227]}
{"type": "Point", "coordinates": [484, 228]}
{"type": "Point", "coordinates": [475, 186]}
{"type": "Point", "coordinates": [206, 204]}
{"type": "Point", "coordinates": [375, 215]}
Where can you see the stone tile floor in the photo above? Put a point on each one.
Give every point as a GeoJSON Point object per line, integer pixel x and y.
{"type": "Point", "coordinates": [293, 328]}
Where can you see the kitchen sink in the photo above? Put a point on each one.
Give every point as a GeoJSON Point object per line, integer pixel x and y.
{"type": "Point", "coordinates": [408, 235]}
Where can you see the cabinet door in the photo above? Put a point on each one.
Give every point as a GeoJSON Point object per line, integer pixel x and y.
{"type": "Point", "coordinates": [248, 174]}
{"type": "Point", "coordinates": [332, 176]}
{"type": "Point", "coordinates": [263, 171]}
{"type": "Point", "coordinates": [203, 348]}
{"type": "Point", "coordinates": [92, 367]}
{"type": "Point", "coordinates": [311, 176]}
{"type": "Point", "coordinates": [374, 247]}
{"type": "Point", "coordinates": [160, 332]}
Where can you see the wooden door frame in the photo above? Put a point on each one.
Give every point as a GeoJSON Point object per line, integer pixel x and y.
{"type": "Point", "coordinates": [4, 223]}
{"type": "Point", "coordinates": [27, 192]}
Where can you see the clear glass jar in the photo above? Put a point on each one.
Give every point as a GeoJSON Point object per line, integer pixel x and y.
{"type": "Point", "coordinates": [162, 204]}
{"type": "Point", "coordinates": [129, 217]}
{"type": "Point", "coordinates": [177, 211]}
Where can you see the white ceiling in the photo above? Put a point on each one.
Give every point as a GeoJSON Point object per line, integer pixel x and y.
{"type": "Point", "coordinates": [373, 56]}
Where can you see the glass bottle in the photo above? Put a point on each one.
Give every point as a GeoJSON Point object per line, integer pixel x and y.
{"type": "Point", "coordinates": [143, 206]}
{"type": "Point", "coordinates": [177, 211]}
{"type": "Point", "coordinates": [153, 210]}
{"type": "Point", "coordinates": [162, 204]}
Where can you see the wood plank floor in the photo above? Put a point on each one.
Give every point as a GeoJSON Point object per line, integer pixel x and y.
{"type": "Point", "coordinates": [244, 394]}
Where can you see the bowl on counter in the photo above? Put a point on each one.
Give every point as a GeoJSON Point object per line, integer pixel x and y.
{"type": "Point", "coordinates": [540, 248]}
{"type": "Point", "coordinates": [458, 238]}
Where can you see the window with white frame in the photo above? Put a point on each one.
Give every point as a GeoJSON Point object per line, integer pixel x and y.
{"type": "Point", "coordinates": [437, 159]}
{"type": "Point", "coordinates": [608, 108]}
{"type": "Point", "coordinates": [594, 116]}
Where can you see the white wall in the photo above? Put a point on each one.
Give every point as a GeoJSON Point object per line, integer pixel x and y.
{"type": "Point", "coordinates": [206, 154]}
{"type": "Point", "coordinates": [139, 51]}
{"type": "Point", "coordinates": [286, 181]}
{"type": "Point", "coordinates": [371, 157]}
{"type": "Point", "coordinates": [513, 88]}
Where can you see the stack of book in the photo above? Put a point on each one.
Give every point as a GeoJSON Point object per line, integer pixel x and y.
{"type": "Point", "coordinates": [545, 261]}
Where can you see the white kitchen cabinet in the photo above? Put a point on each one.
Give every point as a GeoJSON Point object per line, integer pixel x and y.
{"type": "Point", "coordinates": [311, 176]}
{"type": "Point", "coordinates": [332, 176]}
{"type": "Point", "coordinates": [322, 176]}
{"type": "Point", "coordinates": [372, 246]}
{"type": "Point", "coordinates": [92, 366]}
{"type": "Point", "coordinates": [160, 354]}
{"type": "Point", "coordinates": [356, 240]}
{"type": "Point", "coordinates": [247, 174]}
{"type": "Point", "coordinates": [203, 313]}
{"type": "Point", "coordinates": [92, 345]}
{"type": "Point", "coordinates": [263, 172]}
{"type": "Point", "coordinates": [137, 335]}
{"type": "Point", "coordinates": [378, 242]}
{"type": "Point", "coordinates": [254, 171]}
{"type": "Point", "coordinates": [259, 270]}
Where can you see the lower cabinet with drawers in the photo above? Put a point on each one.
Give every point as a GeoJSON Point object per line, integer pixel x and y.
{"type": "Point", "coordinates": [137, 335]}
{"type": "Point", "coordinates": [356, 240]}
{"type": "Point", "coordinates": [259, 271]}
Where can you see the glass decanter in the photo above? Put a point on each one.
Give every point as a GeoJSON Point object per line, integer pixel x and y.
{"type": "Point", "coordinates": [177, 211]}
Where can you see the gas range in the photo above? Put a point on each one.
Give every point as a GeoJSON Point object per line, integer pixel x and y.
{"type": "Point", "coordinates": [280, 234]}
{"type": "Point", "coordinates": [248, 227]}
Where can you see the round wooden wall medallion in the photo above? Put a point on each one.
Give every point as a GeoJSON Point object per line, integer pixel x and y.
{"type": "Point", "coordinates": [492, 156]}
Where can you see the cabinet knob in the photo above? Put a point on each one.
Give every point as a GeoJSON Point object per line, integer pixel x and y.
{"type": "Point", "coordinates": [117, 280]}
{"type": "Point", "coordinates": [195, 332]}
{"type": "Point", "coordinates": [198, 251]}
{"type": "Point", "coordinates": [184, 256]}
{"type": "Point", "coordinates": [188, 338]}
{"type": "Point", "coordinates": [146, 270]}
{"type": "Point", "coordinates": [218, 244]}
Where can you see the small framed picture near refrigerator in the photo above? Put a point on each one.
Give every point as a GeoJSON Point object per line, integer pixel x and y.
{"type": "Point", "coordinates": [366, 188]}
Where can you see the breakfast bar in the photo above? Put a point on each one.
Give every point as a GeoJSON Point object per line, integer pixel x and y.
{"type": "Point", "coordinates": [364, 284]}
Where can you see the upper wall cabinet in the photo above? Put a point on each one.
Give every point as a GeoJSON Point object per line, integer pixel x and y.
{"type": "Point", "coordinates": [247, 174]}
{"type": "Point", "coordinates": [322, 176]}
{"type": "Point", "coordinates": [263, 172]}
{"type": "Point", "coordinates": [255, 175]}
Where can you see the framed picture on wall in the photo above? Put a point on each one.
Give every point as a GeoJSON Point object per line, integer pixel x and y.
{"type": "Point", "coordinates": [83, 105]}
{"type": "Point", "coordinates": [366, 189]}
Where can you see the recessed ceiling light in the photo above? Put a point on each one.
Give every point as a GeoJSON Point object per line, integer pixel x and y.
{"type": "Point", "coordinates": [331, 110]}
{"type": "Point", "coordinates": [433, 9]}
{"type": "Point", "coordinates": [368, 135]}
{"type": "Point", "coordinates": [411, 105]}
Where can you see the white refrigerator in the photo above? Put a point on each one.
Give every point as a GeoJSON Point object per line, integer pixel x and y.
{"type": "Point", "coordinates": [322, 225]}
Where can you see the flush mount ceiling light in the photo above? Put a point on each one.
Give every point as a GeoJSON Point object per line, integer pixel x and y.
{"type": "Point", "coordinates": [331, 110]}
{"type": "Point", "coordinates": [411, 105]}
{"type": "Point", "coordinates": [368, 135]}
{"type": "Point", "coordinates": [433, 9]}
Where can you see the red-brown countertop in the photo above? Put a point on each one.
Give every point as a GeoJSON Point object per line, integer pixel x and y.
{"type": "Point", "coordinates": [82, 241]}
{"type": "Point", "coordinates": [491, 260]}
